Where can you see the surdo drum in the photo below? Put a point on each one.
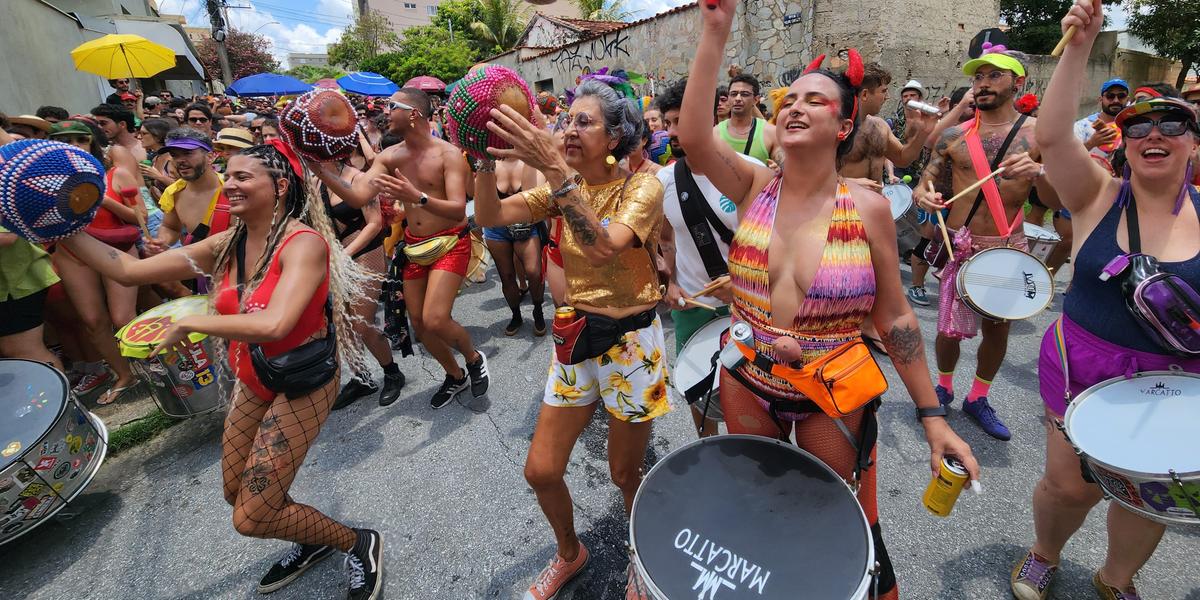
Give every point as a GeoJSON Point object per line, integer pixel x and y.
{"type": "Point", "coordinates": [321, 125]}
{"type": "Point", "coordinates": [1138, 441]}
{"type": "Point", "coordinates": [50, 446]}
{"type": "Point", "coordinates": [184, 383]}
{"type": "Point", "coordinates": [735, 517]}
{"type": "Point", "coordinates": [48, 190]}
{"type": "Point", "coordinates": [1005, 284]}
{"type": "Point", "coordinates": [904, 213]}
{"type": "Point", "coordinates": [469, 105]}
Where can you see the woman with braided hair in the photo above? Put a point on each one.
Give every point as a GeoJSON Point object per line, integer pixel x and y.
{"type": "Point", "coordinates": [281, 288]}
{"type": "Point", "coordinates": [813, 258]}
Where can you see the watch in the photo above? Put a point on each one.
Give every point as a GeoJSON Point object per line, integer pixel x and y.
{"type": "Point", "coordinates": [934, 411]}
{"type": "Point", "coordinates": [423, 200]}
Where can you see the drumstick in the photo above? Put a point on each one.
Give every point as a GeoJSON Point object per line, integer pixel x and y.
{"type": "Point", "coordinates": [698, 304]}
{"type": "Point", "coordinates": [130, 194]}
{"type": "Point", "coordinates": [974, 186]}
{"type": "Point", "coordinates": [716, 283]}
{"type": "Point", "coordinates": [1062, 44]}
{"type": "Point", "coordinates": [942, 224]}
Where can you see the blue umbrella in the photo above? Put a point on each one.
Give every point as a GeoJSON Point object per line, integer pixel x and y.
{"type": "Point", "coordinates": [267, 84]}
{"type": "Point", "coordinates": [368, 84]}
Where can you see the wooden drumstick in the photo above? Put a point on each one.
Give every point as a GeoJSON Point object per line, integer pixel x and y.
{"type": "Point", "coordinates": [716, 283]}
{"type": "Point", "coordinates": [942, 225]}
{"type": "Point", "coordinates": [698, 304]}
{"type": "Point", "coordinates": [974, 186]}
{"type": "Point", "coordinates": [1062, 44]}
{"type": "Point", "coordinates": [130, 194]}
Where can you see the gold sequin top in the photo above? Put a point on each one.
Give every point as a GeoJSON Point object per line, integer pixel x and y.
{"type": "Point", "coordinates": [631, 278]}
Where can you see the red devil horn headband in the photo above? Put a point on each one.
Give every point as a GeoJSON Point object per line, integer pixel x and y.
{"type": "Point", "coordinates": [854, 70]}
{"type": "Point", "coordinates": [815, 64]}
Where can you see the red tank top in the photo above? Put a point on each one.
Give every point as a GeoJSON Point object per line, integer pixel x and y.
{"type": "Point", "coordinates": [106, 219]}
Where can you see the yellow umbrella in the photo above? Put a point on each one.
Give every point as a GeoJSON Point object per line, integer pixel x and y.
{"type": "Point", "coordinates": [117, 56]}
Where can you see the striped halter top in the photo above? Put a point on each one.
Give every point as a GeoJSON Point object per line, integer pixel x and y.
{"type": "Point", "coordinates": [839, 299]}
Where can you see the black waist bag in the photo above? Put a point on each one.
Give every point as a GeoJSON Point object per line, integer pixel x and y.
{"type": "Point", "coordinates": [592, 335]}
{"type": "Point", "coordinates": [301, 370]}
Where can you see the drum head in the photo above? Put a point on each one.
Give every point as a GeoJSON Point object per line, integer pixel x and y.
{"type": "Point", "coordinates": [138, 338]}
{"type": "Point", "coordinates": [741, 516]}
{"type": "Point", "coordinates": [1146, 424]}
{"type": "Point", "coordinates": [695, 359]}
{"type": "Point", "coordinates": [900, 197]}
{"type": "Point", "coordinates": [1005, 283]}
{"type": "Point", "coordinates": [32, 398]}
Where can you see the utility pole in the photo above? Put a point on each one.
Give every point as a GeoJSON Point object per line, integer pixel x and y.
{"type": "Point", "coordinates": [219, 33]}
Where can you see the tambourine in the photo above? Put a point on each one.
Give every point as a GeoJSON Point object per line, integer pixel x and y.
{"type": "Point", "coordinates": [48, 190]}
{"type": "Point", "coordinates": [474, 97]}
{"type": "Point", "coordinates": [320, 125]}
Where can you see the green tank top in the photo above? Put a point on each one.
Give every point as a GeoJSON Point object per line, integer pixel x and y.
{"type": "Point", "coordinates": [758, 149]}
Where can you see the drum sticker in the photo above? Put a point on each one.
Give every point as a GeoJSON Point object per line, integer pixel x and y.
{"type": "Point", "coordinates": [33, 489]}
{"type": "Point", "coordinates": [45, 503]}
{"type": "Point", "coordinates": [183, 392]}
{"type": "Point", "coordinates": [45, 464]}
{"type": "Point", "coordinates": [1030, 286]}
{"type": "Point", "coordinates": [187, 375]}
{"type": "Point", "coordinates": [25, 475]}
{"type": "Point", "coordinates": [1156, 495]}
{"type": "Point", "coordinates": [718, 567]}
{"type": "Point", "coordinates": [61, 471]}
{"type": "Point", "coordinates": [1185, 498]}
{"type": "Point", "coordinates": [6, 484]}
{"type": "Point", "coordinates": [199, 356]}
{"type": "Point", "coordinates": [11, 449]}
{"type": "Point", "coordinates": [12, 527]}
{"type": "Point", "coordinates": [74, 443]}
{"type": "Point", "coordinates": [76, 466]}
{"type": "Point", "coordinates": [203, 378]}
{"type": "Point", "coordinates": [1117, 485]}
{"type": "Point", "coordinates": [90, 444]}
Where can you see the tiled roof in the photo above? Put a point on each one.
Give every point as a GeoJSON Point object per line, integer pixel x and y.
{"type": "Point", "coordinates": [609, 26]}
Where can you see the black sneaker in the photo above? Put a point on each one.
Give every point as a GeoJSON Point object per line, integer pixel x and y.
{"type": "Point", "coordinates": [479, 375]}
{"type": "Point", "coordinates": [292, 565]}
{"type": "Point", "coordinates": [392, 384]}
{"type": "Point", "coordinates": [539, 322]}
{"type": "Point", "coordinates": [364, 563]}
{"type": "Point", "coordinates": [514, 325]}
{"type": "Point", "coordinates": [358, 387]}
{"type": "Point", "coordinates": [451, 387]}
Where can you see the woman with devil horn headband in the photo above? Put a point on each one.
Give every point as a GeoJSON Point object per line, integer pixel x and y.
{"type": "Point", "coordinates": [812, 259]}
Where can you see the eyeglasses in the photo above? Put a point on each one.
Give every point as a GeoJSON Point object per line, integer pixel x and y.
{"type": "Point", "coordinates": [1140, 127]}
{"type": "Point", "coordinates": [1116, 96]}
{"type": "Point", "coordinates": [393, 105]}
{"type": "Point", "coordinates": [582, 122]}
{"type": "Point", "coordinates": [741, 94]}
{"type": "Point", "coordinates": [992, 77]}
{"type": "Point", "coordinates": [197, 119]}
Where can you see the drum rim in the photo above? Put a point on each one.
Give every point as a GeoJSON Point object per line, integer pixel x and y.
{"type": "Point", "coordinates": [966, 298]}
{"type": "Point", "coordinates": [909, 199]}
{"type": "Point", "coordinates": [1088, 393]}
{"type": "Point", "coordinates": [62, 409]}
{"type": "Point", "coordinates": [636, 556]}
{"type": "Point", "coordinates": [101, 453]}
{"type": "Point", "coordinates": [675, 387]}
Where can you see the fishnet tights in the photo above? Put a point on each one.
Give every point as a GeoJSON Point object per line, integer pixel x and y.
{"type": "Point", "coordinates": [263, 447]}
{"type": "Point", "coordinates": [816, 434]}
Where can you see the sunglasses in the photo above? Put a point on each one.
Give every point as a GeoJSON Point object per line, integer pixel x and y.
{"type": "Point", "coordinates": [256, 130]}
{"type": "Point", "coordinates": [393, 105]}
{"type": "Point", "coordinates": [197, 119]}
{"type": "Point", "coordinates": [1116, 96]}
{"type": "Point", "coordinates": [1140, 127]}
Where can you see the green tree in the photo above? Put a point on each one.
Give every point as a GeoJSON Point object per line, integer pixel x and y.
{"type": "Point", "coordinates": [1172, 28]}
{"type": "Point", "coordinates": [424, 50]}
{"type": "Point", "coordinates": [604, 10]}
{"type": "Point", "coordinates": [1035, 28]}
{"type": "Point", "coordinates": [249, 54]}
{"type": "Point", "coordinates": [311, 73]}
{"type": "Point", "coordinates": [499, 24]}
{"type": "Point", "coordinates": [370, 35]}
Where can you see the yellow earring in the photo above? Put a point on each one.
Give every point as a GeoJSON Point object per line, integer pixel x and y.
{"type": "Point", "coordinates": [611, 160]}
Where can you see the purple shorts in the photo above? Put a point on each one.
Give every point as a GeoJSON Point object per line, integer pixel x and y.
{"type": "Point", "coordinates": [1091, 361]}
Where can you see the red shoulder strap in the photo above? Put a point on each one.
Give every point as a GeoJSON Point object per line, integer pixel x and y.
{"type": "Point", "coordinates": [218, 221]}
{"type": "Point", "coordinates": [991, 192]}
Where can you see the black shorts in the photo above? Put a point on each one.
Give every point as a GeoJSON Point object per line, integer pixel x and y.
{"type": "Point", "coordinates": [23, 314]}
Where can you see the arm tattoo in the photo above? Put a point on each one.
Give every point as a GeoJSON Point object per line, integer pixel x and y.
{"type": "Point", "coordinates": [732, 168]}
{"type": "Point", "coordinates": [112, 254]}
{"type": "Point", "coordinates": [574, 215]}
{"type": "Point", "coordinates": [941, 153]}
{"type": "Point", "coordinates": [904, 345]}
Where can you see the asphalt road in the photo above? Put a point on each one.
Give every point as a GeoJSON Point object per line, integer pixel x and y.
{"type": "Point", "coordinates": [446, 490]}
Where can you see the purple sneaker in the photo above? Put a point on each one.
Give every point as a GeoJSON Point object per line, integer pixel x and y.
{"type": "Point", "coordinates": [945, 396]}
{"type": "Point", "coordinates": [985, 415]}
{"type": "Point", "coordinates": [1031, 578]}
{"type": "Point", "coordinates": [1108, 592]}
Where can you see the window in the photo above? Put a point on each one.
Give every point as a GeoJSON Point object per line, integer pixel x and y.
{"type": "Point", "coordinates": [431, 10]}
{"type": "Point", "coordinates": [410, 5]}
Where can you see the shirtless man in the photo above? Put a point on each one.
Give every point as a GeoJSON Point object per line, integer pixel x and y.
{"type": "Point", "coordinates": [997, 78]}
{"type": "Point", "coordinates": [429, 176]}
{"type": "Point", "coordinates": [195, 206]}
{"type": "Point", "coordinates": [875, 144]}
{"type": "Point", "coordinates": [117, 125]}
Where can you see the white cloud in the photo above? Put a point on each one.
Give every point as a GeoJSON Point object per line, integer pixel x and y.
{"type": "Point", "coordinates": [649, 8]}
{"type": "Point", "coordinates": [294, 29]}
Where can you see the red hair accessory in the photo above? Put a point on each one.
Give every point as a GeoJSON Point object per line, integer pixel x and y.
{"type": "Point", "coordinates": [1153, 93]}
{"type": "Point", "coordinates": [855, 70]}
{"type": "Point", "coordinates": [815, 64]}
{"type": "Point", "coordinates": [1027, 104]}
{"type": "Point", "coordinates": [290, 155]}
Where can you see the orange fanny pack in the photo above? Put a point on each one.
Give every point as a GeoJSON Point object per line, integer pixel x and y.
{"type": "Point", "coordinates": [841, 382]}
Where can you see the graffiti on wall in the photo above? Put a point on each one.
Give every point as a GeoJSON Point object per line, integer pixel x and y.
{"type": "Point", "coordinates": [573, 59]}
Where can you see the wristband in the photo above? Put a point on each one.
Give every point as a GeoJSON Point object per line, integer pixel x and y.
{"type": "Point", "coordinates": [571, 185]}
{"type": "Point", "coordinates": [935, 411]}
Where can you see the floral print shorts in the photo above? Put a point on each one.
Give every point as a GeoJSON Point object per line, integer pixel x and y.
{"type": "Point", "coordinates": [631, 377]}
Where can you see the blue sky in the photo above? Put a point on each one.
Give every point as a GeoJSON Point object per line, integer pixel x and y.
{"type": "Point", "coordinates": [309, 25]}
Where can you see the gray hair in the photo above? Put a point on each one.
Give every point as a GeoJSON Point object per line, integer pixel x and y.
{"type": "Point", "coordinates": [188, 133]}
{"type": "Point", "coordinates": [622, 118]}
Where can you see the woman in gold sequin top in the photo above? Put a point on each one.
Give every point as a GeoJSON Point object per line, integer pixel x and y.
{"type": "Point", "coordinates": [611, 220]}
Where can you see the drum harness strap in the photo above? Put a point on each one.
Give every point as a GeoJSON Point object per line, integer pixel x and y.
{"type": "Point", "coordinates": [699, 217]}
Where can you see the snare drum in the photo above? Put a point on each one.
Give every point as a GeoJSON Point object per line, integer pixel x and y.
{"type": "Point", "coordinates": [697, 359]}
{"type": "Point", "coordinates": [1005, 284]}
{"type": "Point", "coordinates": [1041, 241]}
{"type": "Point", "coordinates": [740, 517]}
{"type": "Point", "coordinates": [183, 383]}
{"type": "Point", "coordinates": [904, 213]}
{"type": "Point", "coordinates": [50, 446]}
{"type": "Point", "coordinates": [1137, 437]}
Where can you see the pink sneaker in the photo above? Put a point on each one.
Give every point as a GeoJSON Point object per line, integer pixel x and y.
{"type": "Point", "coordinates": [556, 575]}
{"type": "Point", "coordinates": [91, 381]}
